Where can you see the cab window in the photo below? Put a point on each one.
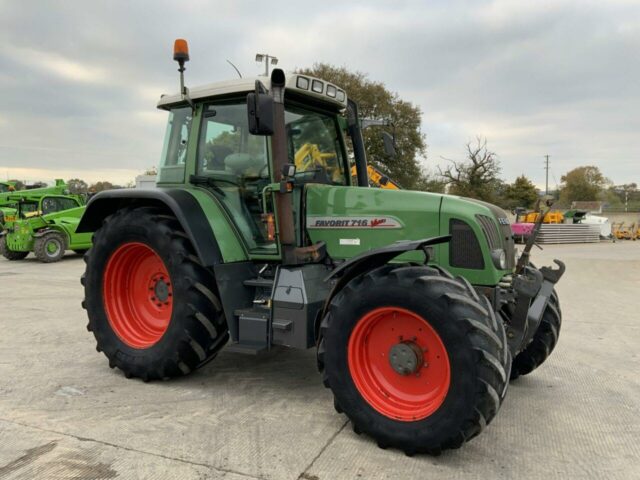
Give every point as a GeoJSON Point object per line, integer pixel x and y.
{"type": "Point", "coordinates": [27, 209]}
{"type": "Point", "coordinates": [53, 204]}
{"type": "Point", "coordinates": [315, 146]}
{"type": "Point", "coordinates": [174, 150]}
{"type": "Point", "coordinates": [237, 164]}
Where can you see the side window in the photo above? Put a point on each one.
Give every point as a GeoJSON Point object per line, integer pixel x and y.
{"type": "Point", "coordinates": [174, 150]}
{"type": "Point", "coordinates": [226, 147]}
{"type": "Point", "coordinates": [236, 162]}
{"type": "Point", "coordinates": [315, 146]}
{"type": "Point", "coordinates": [53, 204]}
{"type": "Point", "coordinates": [49, 205]}
{"type": "Point", "coordinates": [67, 203]}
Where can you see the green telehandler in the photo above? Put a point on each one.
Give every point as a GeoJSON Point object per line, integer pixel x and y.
{"type": "Point", "coordinates": [45, 226]}
{"type": "Point", "coordinates": [9, 197]}
{"type": "Point", "coordinates": [415, 302]}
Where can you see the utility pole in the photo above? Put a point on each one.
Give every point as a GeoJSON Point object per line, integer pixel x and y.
{"type": "Point", "coordinates": [626, 200]}
{"type": "Point", "coordinates": [546, 167]}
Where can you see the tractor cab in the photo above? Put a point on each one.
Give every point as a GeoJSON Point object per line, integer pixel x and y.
{"type": "Point", "coordinates": [31, 207]}
{"type": "Point", "coordinates": [208, 144]}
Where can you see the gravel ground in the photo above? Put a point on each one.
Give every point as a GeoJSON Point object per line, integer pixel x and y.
{"type": "Point", "coordinates": [64, 414]}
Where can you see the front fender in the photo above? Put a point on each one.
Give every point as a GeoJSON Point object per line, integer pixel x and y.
{"type": "Point", "coordinates": [43, 231]}
{"type": "Point", "coordinates": [184, 206]}
{"type": "Point", "coordinates": [375, 258]}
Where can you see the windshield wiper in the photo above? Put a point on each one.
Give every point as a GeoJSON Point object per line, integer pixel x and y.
{"type": "Point", "coordinates": [207, 181]}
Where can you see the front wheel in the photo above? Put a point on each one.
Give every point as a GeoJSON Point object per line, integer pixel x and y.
{"type": "Point", "coordinates": [8, 253]}
{"type": "Point", "coordinates": [152, 306]}
{"type": "Point", "coordinates": [50, 247]}
{"type": "Point", "coordinates": [543, 342]}
{"type": "Point", "coordinates": [415, 358]}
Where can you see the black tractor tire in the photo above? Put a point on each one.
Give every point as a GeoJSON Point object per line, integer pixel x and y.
{"type": "Point", "coordinates": [10, 254]}
{"type": "Point", "coordinates": [474, 340]}
{"type": "Point", "coordinates": [52, 239]}
{"type": "Point", "coordinates": [543, 342]}
{"type": "Point", "coordinates": [196, 328]}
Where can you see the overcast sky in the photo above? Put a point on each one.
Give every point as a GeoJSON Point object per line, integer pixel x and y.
{"type": "Point", "coordinates": [79, 80]}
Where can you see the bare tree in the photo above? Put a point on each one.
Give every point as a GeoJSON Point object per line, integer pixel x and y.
{"type": "Point", "coordinates": [477, 175]}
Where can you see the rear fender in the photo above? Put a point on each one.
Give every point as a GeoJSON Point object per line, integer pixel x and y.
{"type": "Point", "coordinates": [180, 202]}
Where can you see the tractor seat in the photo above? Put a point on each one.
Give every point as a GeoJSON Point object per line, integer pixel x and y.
{"type": "Point", "coordinates": [220, 153]}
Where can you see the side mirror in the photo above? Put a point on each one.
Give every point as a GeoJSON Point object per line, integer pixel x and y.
{"type": "Point", "coordinates": [260, 113]}
{"type": "Point", "coordinates": [389, 144]}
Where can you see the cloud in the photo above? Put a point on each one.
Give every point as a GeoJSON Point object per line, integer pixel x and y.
{"type": "Point", "coordinates": [81, 79]}
{"type": "Point", "coordinates": [58, 65]}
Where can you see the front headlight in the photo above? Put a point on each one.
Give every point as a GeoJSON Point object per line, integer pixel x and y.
{"type": "Point", "coordinates": [499, 257]}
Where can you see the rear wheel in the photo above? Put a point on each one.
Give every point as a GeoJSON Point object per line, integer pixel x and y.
{"type": "Point", "coordinates": [415, 358]}
{"type": "Point", "coordinates": [543, 342]}
{"type": "Point", "coordinates": [50, 247]}
{"type": "Point", "coordinates": [152, 306]}
{"type": "Point", "coordinates": [8, 253]}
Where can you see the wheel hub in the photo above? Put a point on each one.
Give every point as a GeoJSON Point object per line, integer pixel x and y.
{"type": "Point", "coordinates": [405, 358]}
{"type": "Point", "coordinates": [160, 290]}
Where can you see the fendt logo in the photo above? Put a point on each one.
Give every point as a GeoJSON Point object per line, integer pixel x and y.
{"type": "Point", "coordinates": [353, 222]}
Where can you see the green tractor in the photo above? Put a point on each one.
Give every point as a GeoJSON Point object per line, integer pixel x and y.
{"type": "Point", "coordinates": [45, 226]}
{"type": "Point", "coordinates": [415, 302]}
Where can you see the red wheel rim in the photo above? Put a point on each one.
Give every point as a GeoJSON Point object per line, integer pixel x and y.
{"type": "Point", "coordinates": [138, 295]}
{"type": "Point", "coordinates": [406, 397]}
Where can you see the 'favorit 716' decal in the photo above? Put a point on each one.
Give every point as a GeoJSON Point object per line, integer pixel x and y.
{"type": "Point", "coordinates": [353, 222]}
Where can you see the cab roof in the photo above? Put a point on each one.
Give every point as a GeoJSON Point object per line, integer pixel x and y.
{"type": "Point", "coordinates": [315, 88]}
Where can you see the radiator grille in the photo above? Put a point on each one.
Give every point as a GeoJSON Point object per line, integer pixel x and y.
{"type": "Point", "coordinates": [464, 248]}
{"type": "Point", "coordinates": [490, 231]}
{"type": "Point", "coordinates": [509, 245]}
